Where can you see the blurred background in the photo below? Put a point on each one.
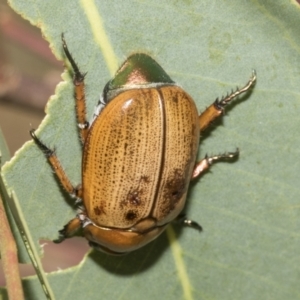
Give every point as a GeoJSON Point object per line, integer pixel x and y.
{"type": "Point", "coordinates": [29, 73]}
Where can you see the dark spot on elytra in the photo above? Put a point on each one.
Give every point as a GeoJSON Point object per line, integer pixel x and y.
{"type": "Point", "coordinates": [174, 189]}
{"type": "Point", "coordinates": [174, 97]}
{"type": "Point", "coordinates": [131, 215]}
{"type": "Point", "coordinates": [145, 178]}
{"type": "Point", "coordinates": [133, 198]}
{"type": "Point", "coordinates": [175, 194]}
{"type": "Point", "coordinates": [98, 210]}
{"type": "Point", "coordinates": [176, 184]}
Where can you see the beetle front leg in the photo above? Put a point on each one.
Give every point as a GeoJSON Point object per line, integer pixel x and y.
{"type": "Point", "coordinates": [217, 108]}
{"type": "Point", "coordinates": [204, 164]}
{"type": "Point", "coordinates": [58, 169]}
{"type": "Point", "coordinates": [78, 81]}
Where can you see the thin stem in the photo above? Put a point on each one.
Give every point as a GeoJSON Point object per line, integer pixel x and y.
{"type": "Point", "coordinates": [9, 258]}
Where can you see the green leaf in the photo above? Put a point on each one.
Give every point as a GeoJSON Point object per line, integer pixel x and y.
{"type": "Point", "coordinates": [249, 209]}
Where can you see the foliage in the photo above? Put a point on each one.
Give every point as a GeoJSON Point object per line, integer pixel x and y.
{"type": "Point", "coordinates": [249, 209]}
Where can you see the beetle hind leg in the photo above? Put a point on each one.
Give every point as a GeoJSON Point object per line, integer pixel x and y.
{"type": "Point", "coordinates": [204, 164]}
{"type": "Point", "coordinates": [78, 81]}
{"type": "Point", "coordinates": [187, 222]}
{"type": "Point", "coordinates": [69, 230]}
{"type": "Point", "coordinates": [216, 109]}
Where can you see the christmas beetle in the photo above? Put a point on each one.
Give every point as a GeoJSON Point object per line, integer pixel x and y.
{"type": "Point", "coordinates": [139, 155]}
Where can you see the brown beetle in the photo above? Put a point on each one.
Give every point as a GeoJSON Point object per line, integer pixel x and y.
{"type": "Point", "coordinates": [139, 154]}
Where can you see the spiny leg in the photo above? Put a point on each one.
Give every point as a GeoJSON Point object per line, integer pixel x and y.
{"type": "Point", "coordinates": [75, 192]}
{"type": "Point", "coordinates": [58, 169]}
{"type": "Point", "coordinates": [217, 108]}
{"type": "Point", "coordinates": [209, 115]}
{"type": "Point", "coordinates": [204, 164]}
{"type": "Point", "coordinates": [78, 81]}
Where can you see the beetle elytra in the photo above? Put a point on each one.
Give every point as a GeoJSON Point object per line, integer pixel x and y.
{"type": "Point", "coordinates": [139, 155]}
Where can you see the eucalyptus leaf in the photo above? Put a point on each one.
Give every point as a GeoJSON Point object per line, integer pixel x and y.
{"type": "Point", "coordinates": [250, 209]}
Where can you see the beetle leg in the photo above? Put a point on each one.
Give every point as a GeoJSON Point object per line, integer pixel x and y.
{"type": "Point", "coordinates": [58, 169]}
{"type": "Point", "coordinates": [217, 108]}
{"type": "Point", "coordinates": [68, 230]}
{"type": "Point", "coordinates": [78, 81]}
{"type": "Point", "coordinates": [187, 222]}
{"type": "Point", "coordinates": [204, 164]}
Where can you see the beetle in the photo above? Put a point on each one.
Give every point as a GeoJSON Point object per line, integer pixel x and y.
{"type": "Point", "coordinates": [139, 155]}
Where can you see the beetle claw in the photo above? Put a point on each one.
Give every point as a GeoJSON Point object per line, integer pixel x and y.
{"type": "Point", "coordinates": [60, 238]}
{"type": "Point", "coordinates": [223, 156]}
{"type": "Point", "coordinates": [62, 235]}
{"type": "Point", "coordinates": [187, 222]}
{"type": "Point", "coordinates": [220, 104]}
{"type": "Point", "coordinates": [48, 152]}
